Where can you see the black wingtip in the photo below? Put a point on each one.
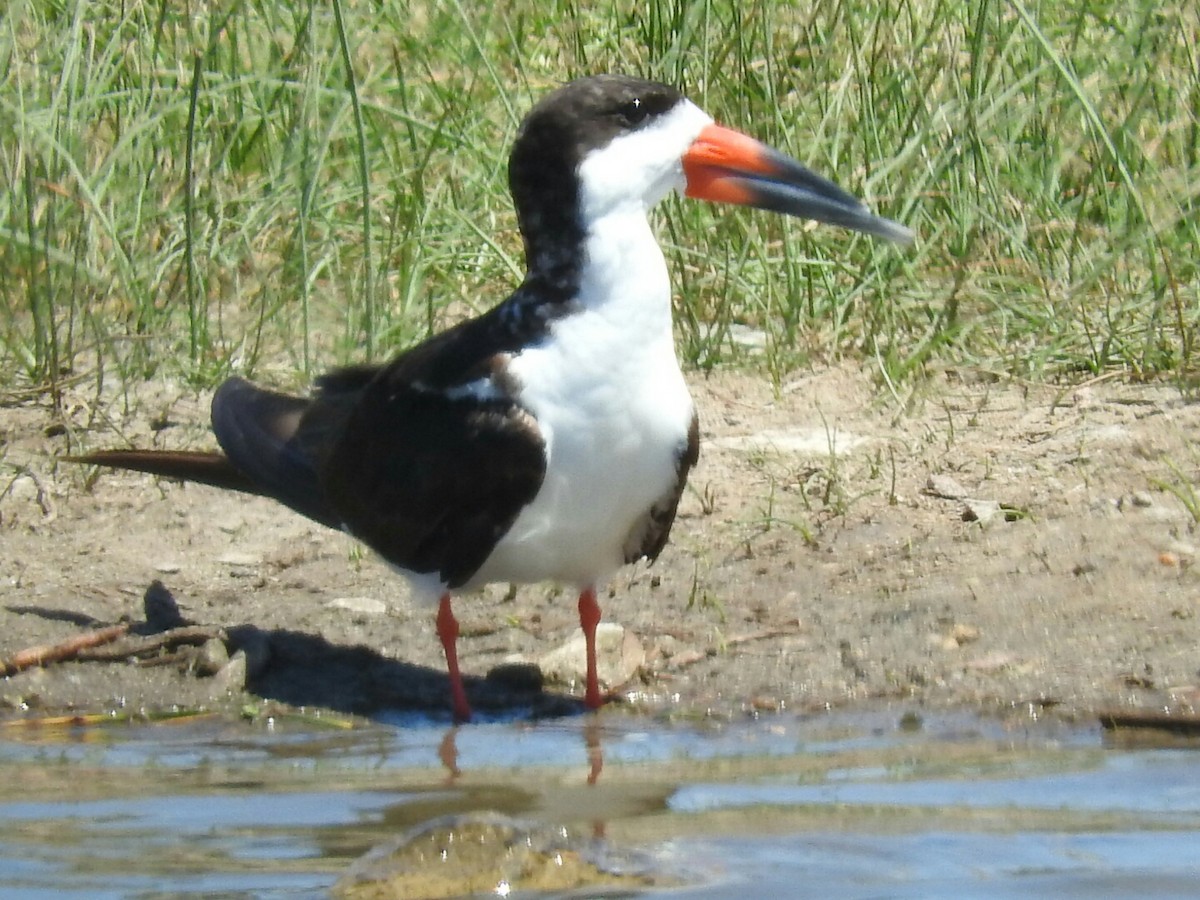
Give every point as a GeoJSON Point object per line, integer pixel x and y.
{"type": "Point", "coordinates": [261, 433]}
{"type": "Point", "coordinates": [210, 468]}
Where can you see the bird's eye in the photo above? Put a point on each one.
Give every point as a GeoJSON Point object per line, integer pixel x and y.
{"type": "Point", "coordinates": [634, 112]}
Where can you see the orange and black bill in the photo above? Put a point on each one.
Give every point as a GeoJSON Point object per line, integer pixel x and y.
{"type": "Point", "coordinates": [727, 166]}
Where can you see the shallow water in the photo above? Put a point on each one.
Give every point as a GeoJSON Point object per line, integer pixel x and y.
{"type": "Point", "coordinates": [874, 805]}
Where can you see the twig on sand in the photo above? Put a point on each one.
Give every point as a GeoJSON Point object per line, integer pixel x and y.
{"type": "Point", "coordinates": [691, 657]}
{"type": "Point", "coordinates": [143, 646]}
{"type": "Point", "coordinates": [68, 649]}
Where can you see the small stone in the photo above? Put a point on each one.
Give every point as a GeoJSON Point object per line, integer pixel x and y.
{"type": "Point", "coordinates": [363, 606]}
{"type": "Point", "coordinates": [167, 568]}
{"type": "Point", "coordinates": [1136, 500]}
{"type": "Point", "coordinates": [981, 511]}
{"type": "Point", "coordinates": [231, 679]}
{"type": "Point", "coordinates": [959, 635]}
{"type": "Point", "coordinates": [241, 560]}
{"type": "Point", "coordinates": [211, 658]}
{"type": "Point", "coordinates": [619, 654]}
{"type": "Point", "coordinates": [964, 634]}
{"type": "Point", "coordinates": [945, 487]}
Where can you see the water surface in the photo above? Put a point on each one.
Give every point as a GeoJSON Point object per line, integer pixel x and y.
{"type": "Point", "coordinates": [875, 805]}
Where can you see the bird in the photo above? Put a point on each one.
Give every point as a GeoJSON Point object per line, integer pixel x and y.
{"type": "Point", "coordinates": [549, 438]}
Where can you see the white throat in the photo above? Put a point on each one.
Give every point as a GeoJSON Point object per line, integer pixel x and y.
{"type": "Point", "coordinates": [604, 385]}
{"type": "Point", "coordinates": [624, 277]}
{"type": "Point", "coordinates": [639, 168]}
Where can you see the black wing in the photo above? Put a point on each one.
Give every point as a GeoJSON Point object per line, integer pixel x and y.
{"type": "Point", "coordinates": [428, 460]}
{"type": "Point", "coordinates": [431, 479]}
{"type": "Point", "coordinates": [261, 434]}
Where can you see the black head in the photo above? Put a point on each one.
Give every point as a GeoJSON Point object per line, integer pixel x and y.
{"type": "Point", "coordinates": [601, 143]}
{"type": "Point", "coordinates": [556, 136]}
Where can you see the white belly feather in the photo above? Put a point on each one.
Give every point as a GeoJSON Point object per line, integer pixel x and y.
{"type": "Point", "coordinates": [612, 450]}
{"type": "Point", "coordinates": [606, 390]}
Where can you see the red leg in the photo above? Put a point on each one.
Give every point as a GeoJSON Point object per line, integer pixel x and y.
{"type": "Point", "coordinates": [447, 629]}
{"type": "Point", "coordinates": [589, 618]}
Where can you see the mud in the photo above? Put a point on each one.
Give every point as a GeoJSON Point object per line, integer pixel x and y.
{"type": "Point", "coordinates": [974, 543]}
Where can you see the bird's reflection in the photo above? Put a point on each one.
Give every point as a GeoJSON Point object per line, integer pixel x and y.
{"type": "Point", "coordinates": [448, 754]}
{"type": "Point", "coordinates": [595, 750]}
{"type": "Point", "coordinates": [593, 746]}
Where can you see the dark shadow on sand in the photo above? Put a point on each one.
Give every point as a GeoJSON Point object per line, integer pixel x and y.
{"type": "Point", "coordinates": [306, 670]}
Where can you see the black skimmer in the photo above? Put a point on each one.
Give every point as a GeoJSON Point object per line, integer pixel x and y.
{"type": "Point", "coordinates": [549, 438]}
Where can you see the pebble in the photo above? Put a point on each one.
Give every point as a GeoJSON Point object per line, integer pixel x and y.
{"type": "Point", "coordinates": [243, 560]}
{"type": "Point", "coordinates": [211, 658]}
{"type": "Point", "coordinates": [167, 568]}
{"type": "Point", "coordinates": [944, 486]}
{"type": "Point", "coordinates": [231, 679]}
{"type": "Point", "coordinates": [619, 654]}
{"type": "Point", "coordinates": [363, 606]}
{"type": "Point", "coordinates": [1139, 499]}
{"type": "Point", "coordinates": [964, 634]}
{"type": "Point", "coordinates": [981, 511]}
{"type": "Point", "coordinates": [958, 635]}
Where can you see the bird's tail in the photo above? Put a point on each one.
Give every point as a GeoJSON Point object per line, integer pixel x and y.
{"type": "Point", "coordinates": [209, 468]}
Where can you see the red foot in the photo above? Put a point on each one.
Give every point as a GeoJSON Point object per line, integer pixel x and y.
{"type": "Point", "coordinates": [589, 618]}
{"type": "Point", "coordinates": [447, 629]}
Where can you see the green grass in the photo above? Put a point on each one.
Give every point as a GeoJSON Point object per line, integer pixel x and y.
{"type": "Point", "coordinates": [250, 186]}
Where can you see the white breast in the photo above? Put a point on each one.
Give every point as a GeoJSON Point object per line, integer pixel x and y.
{"type": "Point", "coordinates": [605, 386]}
{"type": "Point", "coordinates": [613, 408]}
